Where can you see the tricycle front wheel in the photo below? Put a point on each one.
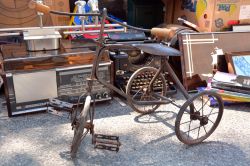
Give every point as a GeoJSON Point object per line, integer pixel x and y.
{"type": "Point", "coordinates": [199, 117]}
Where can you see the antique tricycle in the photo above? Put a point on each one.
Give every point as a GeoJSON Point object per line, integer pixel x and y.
{"type": "Point", "coordinates": [196, 119]}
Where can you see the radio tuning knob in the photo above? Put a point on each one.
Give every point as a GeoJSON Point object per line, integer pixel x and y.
{"type": "Point", "coordinates": [105, 95]}
{"type": "Point", "coordinates": [98, 96]}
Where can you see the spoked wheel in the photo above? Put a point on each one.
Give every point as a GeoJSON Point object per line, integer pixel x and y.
{"type": "Point", "coordinates": [197, 120]}
{"type": "Point", "coordinates": [139, 90]}
{"type": "Point", "coordinates": [81, 126]}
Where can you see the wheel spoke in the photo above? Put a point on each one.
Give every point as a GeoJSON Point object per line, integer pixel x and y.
{"type": "Point", "coordinates": [84, 134]}
{"type": "Point", "coordinates": [198, 132]}
{"type": "Point", "coordinates": [195, 109]}
{"type": "Point", "coordinates": [205, 129]}
{"type": "Point", "coordinates": [211, 121]}
{"type": "Point", "coordinates": [136, 93]}
{"type": "Point", "coordinates": [203, 104]}
{"type": "Point", "coordinates": [212, 113]}
{"type": "Point", "coordinates": [189, 127]}
{"type": "Point", "coordinates": [185, 122]}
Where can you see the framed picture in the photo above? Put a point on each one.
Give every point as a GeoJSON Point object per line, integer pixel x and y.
{"type": "Point", "coordinates": [239, 63]}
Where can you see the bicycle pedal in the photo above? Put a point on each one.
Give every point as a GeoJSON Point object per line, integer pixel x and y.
{"type": "Point", "coordinates": [60, 105]}
{"type": "Point", "coordinates": [105, 147]}
{"type": "Point", "coordinates": [109, 137]}
{"type": "Point", "coordinates": [55, 112]}
{"type": "Point", "coordinates": [106, 142]}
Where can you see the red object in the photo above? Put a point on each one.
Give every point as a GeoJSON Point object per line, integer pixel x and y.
{"type": "Point", "coordinates": [90, 35]}
{"type": "Point", "coordinates": [233, 22]}
{"type": "Point", "coordinates": [94, 35]}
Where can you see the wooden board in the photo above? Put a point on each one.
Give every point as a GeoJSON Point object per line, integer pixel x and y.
{"type": "Point", "coordinates": [71, 53]}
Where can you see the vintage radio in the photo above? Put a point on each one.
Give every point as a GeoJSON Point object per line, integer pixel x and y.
{"type": "Point", "coordinates": [32, 77]}
{"type": "Point", "coordinates": [29, 91]}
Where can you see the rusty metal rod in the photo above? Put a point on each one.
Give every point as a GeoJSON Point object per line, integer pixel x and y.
{"type": "Point", "coordinates": [168, 99]}
{"type": "Point", "coordinates": [150, 102]}
{"type": "Point", "coordinates": [10, 34]}
{"type": "Point", "coordinates": [93, 31]}
{"type": "Point", "coordinates": [58, 27]}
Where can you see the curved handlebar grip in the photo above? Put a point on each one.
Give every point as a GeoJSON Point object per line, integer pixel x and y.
{"type": "Point", "coordinates": [162, 33]}
{"type": "Point", "coordinates": [39, 7]}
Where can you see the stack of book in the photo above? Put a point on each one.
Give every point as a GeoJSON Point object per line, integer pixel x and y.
{"type": "Point", "coordinates": [232, 88]}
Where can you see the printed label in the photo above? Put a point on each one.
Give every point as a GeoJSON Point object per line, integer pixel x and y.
{"type": "Point", "coordinates": [244, 12]}
{"type": "Point", "coordinates": [227, 7]}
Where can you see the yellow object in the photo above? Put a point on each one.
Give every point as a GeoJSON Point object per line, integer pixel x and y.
{"type": "Point", "coordinates": [200, 8]}
{"type": "Point", "coordinates": [233, 8]}
{"type": "Point", "coordinates": [72, 18]}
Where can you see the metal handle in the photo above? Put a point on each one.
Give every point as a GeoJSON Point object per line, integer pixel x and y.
{"type": "Point", "coordinates": [162, 33]}
{"type": "Point", "coordinates": [39, 7]}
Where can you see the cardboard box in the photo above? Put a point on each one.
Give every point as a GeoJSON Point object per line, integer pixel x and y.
{"type": "Point", "coordinates": [59, 5]}
{"type": "Point", "coordinates": [18, 14]}
{"type": "Point", "coordinates": [219, 15]}
{"type": "Point", "coordinates": [186, 10]}
{"type": "Point", "coordinates": [212, 15]}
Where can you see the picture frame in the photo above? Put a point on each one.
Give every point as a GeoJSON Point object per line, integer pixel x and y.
{"type": "Point", "coordinates": [238, 63]}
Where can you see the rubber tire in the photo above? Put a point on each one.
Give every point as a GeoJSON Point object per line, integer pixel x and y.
{"type": "Point", "coordinates": [78, 132]}
{"type": "Point", "coordinates": [129, 85]}
{"type": "Point", "coordinates": [187, 104]}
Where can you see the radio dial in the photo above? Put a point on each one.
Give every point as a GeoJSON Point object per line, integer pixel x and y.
{"type": "Point", "coordinates": [98, 96]}
{"type": "Point", "coordinates": [105, 95]}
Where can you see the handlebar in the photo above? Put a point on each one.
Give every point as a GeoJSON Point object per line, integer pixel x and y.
{"type": "Point", "coordinates": [159, 33]}
{"type": "Point", "coordinates": [39, 7]}
{"type": "Point", "coordinates": [162, 33]}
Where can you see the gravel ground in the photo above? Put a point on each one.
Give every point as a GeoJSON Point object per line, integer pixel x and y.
{"type": "Point", "coordinates": [44, 139]}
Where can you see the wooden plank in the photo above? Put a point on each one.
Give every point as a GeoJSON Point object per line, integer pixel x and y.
{"type": "Point", "coordinates": [169, 13]}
